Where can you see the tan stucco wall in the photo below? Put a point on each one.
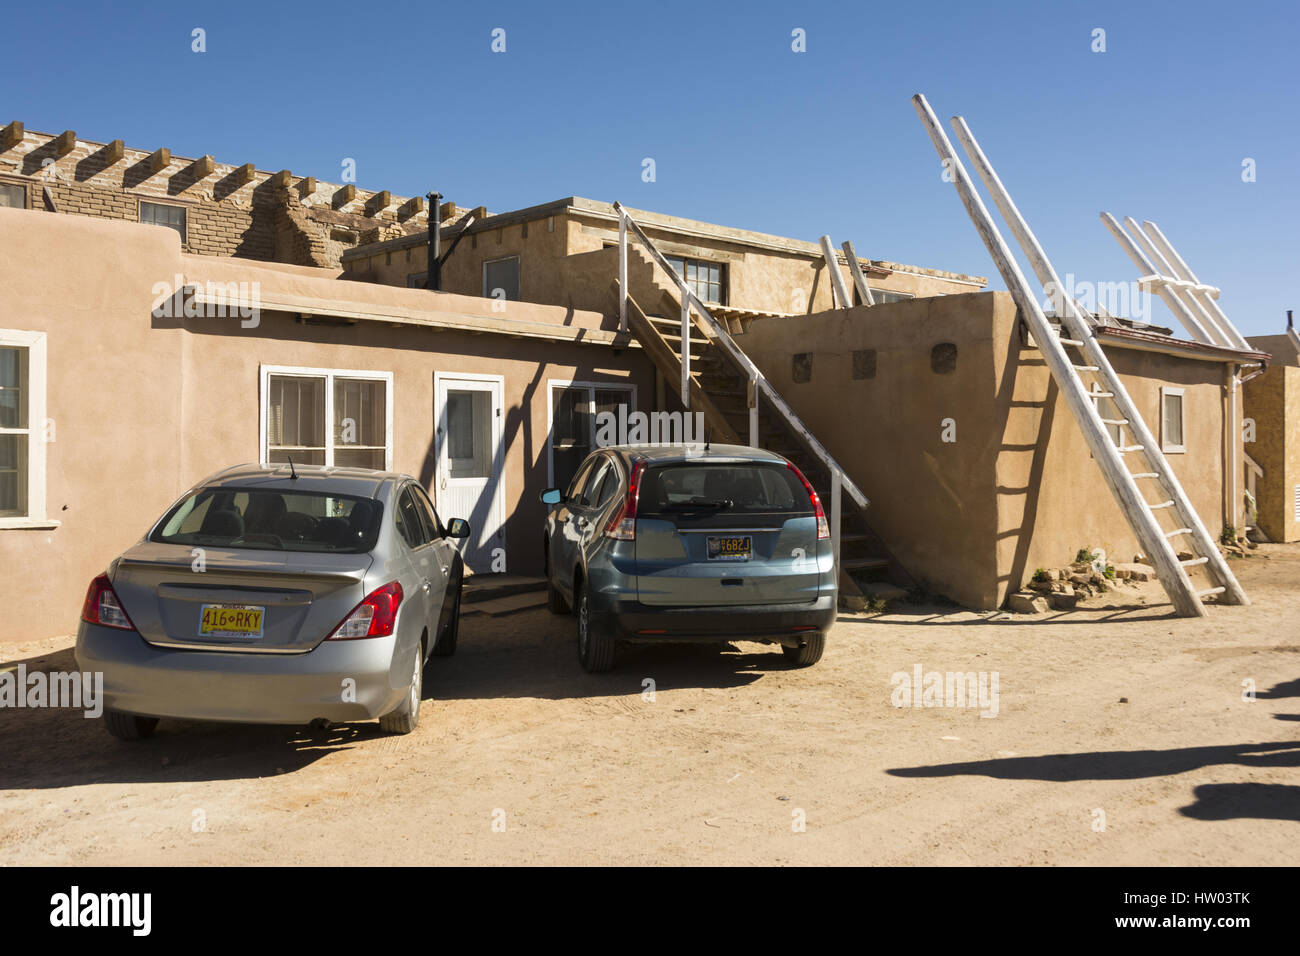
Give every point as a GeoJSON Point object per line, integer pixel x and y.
{"type": "Point", "coordinates": [1273, 401]}
{"type": "Point", "coordinates": [932, 501]}
{"type": "Point", "coordinates": [145, 407]}
{"type": "Point", "coordinates": [772, 280]}
{"type": "Point", "coordinates": [1052, 499]}
{"type": "Point", "coordinates": [1018, 488]}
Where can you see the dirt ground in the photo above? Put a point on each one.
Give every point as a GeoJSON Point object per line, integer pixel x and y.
{"type": "Point", "coordinates": [1121, 737]}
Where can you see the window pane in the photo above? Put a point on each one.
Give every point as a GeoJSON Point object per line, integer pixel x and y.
{"type": "Point", "coordinates": [13, 411]}
{"type": "Point", "coordinates": [295, 419]}
{"type": "Point", "coordinates": [158, 214]}
{"type": "Point", "coordinates": [1173, 420]}
{"type": "Point", "coordinates": [13, 475]}
{"type": "Point", "coordinates": [469, 433]}
{"type": "Point", "coordinates": [503, 275]}
{"type": "Point", "coordinates": [359, 422]}
{"type": "Point", "coordinates": [13, 195]}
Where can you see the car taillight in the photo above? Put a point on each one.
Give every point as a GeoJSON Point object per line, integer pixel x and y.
{"type": "Point", "coordinates": [823, 529]}
{"type": "Point", "coordinates": [373, 617]}
{"type": "Point", "coordinates": [102, 606]}
{"type": "Point", "coordinates": [622, 526]}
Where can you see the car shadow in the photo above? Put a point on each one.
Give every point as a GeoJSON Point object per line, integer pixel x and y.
{"type": "Point", "coordinates": [47, 747]}
{"type": "Point", "coordinates": [535, 654]}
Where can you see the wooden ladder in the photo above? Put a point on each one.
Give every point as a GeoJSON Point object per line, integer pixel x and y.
{"type": "Point", "coordinates": [1144, 514]}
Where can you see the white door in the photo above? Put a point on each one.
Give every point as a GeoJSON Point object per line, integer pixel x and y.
{"type": "Point", "coordinates": [469, 413]}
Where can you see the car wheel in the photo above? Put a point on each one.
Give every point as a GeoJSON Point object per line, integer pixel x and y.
{"type": "Point", "coordinates": [595, 645]}
{"type": "Point", "coordinates": [407, 715]}
{"type": "Point", "coordinates": [808, 653]}
{"type": "Point", "coordinates": [129, 726]}
{"type": "Point", "coordinates": [449, 621]}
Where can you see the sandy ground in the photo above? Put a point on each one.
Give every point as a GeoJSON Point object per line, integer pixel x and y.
{"type": "Point", "coordinates": [1131, 718]}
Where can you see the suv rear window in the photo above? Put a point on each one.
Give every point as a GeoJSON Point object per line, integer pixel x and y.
{"type": "Point", "coordinates": [261, 519]}
{"type": "Point", "coordinates": [736, 489]}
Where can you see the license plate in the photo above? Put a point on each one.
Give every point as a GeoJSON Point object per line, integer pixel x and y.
{"type": "Point", "coordinates": [729, 548]}
{"type": "Point", "coordinates": [231, 620]}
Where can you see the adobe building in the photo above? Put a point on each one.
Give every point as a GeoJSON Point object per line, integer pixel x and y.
{"type": "Point", "coordinates": [140, 353]}
{"type": "Point", "coordinates": [1272, 404]}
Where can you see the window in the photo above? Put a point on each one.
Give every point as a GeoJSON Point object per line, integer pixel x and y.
{"type": "Point", "coordinates": [708, 280]}
{"type": "Point", "coordinates": [408, 520]}
{"type": "Point", "coordinates": [22, 423]}
{"type": "Point", "coordinates": [297, 404]}
{"type": "Point", "coordinates": [263, 519]}
{"type": "Point", "coordinates": [503, 275]}
{"type": "Point", "coordinates": [160, 214]}
{"type": "Point", "coordinates": [416, 280]}
{"type": "Point", "coordinates": [578, 411]}
{"type": "Point", "coordinates": [13, 195]}
{"type": "Point", "coordinates": [1171, 419]}
{"type": "Point", "coordinates": [882, 296]}
{"type": "Point", "coordinates": [469, 432]}
{"type": "Point", "coordinates": [801, 367]}
{"type": "Point", "coordinates": [430, 514]}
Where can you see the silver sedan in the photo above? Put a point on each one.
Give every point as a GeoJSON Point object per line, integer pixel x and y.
{"type": "Point", "coordinates": [277, 594]}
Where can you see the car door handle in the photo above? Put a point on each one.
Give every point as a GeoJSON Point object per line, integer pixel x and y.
{"type": "Point", "coordinates": [425, 585]}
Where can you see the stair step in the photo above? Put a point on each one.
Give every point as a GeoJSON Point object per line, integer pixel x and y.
{"type": "Point", "coordinates": [863, 564]}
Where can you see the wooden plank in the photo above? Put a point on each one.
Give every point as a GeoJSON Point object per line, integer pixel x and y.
{"type": "Point", "coordinates": [64, 143]}
{"type": "Point", "coordinates": [11, 135]}
{"type": "Point", "coordinates": [843, 301]}
{"type": "Point", "coordinates": [855, 269]}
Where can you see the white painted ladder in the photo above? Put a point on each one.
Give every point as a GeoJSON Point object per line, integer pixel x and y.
{"type": "Point", "coordinates": [1153, 471]}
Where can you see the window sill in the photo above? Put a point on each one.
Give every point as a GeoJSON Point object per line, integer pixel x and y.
{"type": "Point", "coordinates": [35, 524]}
{"type": "Point", "coordinates": [1174, 449]}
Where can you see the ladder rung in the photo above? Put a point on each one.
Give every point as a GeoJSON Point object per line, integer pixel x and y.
{"type": "Point", "coordinates": [1114, 421]}
{"type": "Point", "coordinates": [1163, 504]}
{"type": "Point", "coordinates": [1101, 394]}
{"type": "Point", "coordinates": [1123, 448]}
{"type": "Point", "coordinates": [1194, 561]}
{"type": "Point", "coordinates": [1085, 368]}
{"type": "Point", "coordinates": [1174, 534]}
{"type": "Point", "coordinates": [1147, 474]}
{"type": "Point", "coordinates": [1208, 591]}
{"type": "Point", "coordinates": [1075, 342]}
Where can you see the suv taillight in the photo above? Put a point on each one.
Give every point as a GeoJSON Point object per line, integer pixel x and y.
{"type": "Point", "coordinates": [374, 617]}
{"type": "Point", "coordinates": [102, 606]}
{"type": "Point", "coordinates": [622, 526]}
{"type": "Point", "coordinates": [823, 529]}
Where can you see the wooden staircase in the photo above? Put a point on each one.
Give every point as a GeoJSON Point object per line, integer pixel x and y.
{"type": "Point", "coordinates": [723, 390]}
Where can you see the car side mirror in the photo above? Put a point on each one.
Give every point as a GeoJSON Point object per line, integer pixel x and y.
{"type": "Point", "coordinates": [459, 528]}
{"type": "Point", "coordinates": [552, 496]}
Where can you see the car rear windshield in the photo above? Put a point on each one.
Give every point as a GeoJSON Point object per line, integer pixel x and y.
{"type": "Point", "coordinates": [695, 490]}
{"type": "Point", "coordinates": [263, 519]}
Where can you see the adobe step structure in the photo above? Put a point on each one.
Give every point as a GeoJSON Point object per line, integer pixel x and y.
{"type": "Point", "coordinates": [741, 407]}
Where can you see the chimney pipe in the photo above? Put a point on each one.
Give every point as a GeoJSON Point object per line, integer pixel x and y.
{"type": "Point", "coordinates": [433, 275]}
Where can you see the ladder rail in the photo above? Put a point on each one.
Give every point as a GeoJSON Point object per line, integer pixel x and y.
{"type": "Point", "coordinates": [1117, 477]}
{"type": "Point", "coordinates": [1217, 565]}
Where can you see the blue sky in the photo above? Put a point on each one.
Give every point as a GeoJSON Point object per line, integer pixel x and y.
{"type": "Point", "coordinates": [743, 130]}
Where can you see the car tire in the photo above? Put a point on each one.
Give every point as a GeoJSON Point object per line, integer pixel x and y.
{"type": "Point", "coordinates": [449, 620]}
{"type": "Point", "coordinates": [404, 718]}
{"type": "Point", "coordinates": [129, 726]}
{"type": "Point", "coordinates": [595, 644]}
{"type": "Point", "coordinates": [808, 653]}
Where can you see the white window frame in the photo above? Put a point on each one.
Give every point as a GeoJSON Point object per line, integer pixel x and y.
{"type": "Point", "coordinates": [551, 385]}
{"type": "Point", "coordinates": [35, 344]}
{"type": "Point", "coordinates": [1165, 444]}
{"type": "Point", "coordinates": [329, 374]}
{"type": "Point", "coordinates": [487, 293]}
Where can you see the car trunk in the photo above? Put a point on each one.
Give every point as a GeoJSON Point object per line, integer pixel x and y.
{"type": "Point", "coordinates": [241, 600]}
{"type": "Point", "coordinates": [725, 533]}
